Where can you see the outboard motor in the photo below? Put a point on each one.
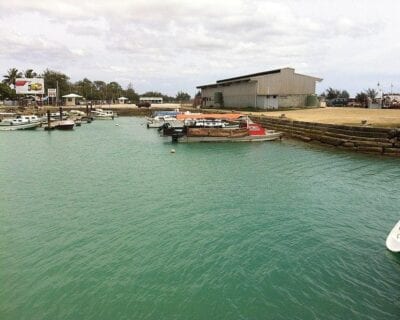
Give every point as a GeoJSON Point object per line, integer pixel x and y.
{"type": "Point", "coordinates": [175, 137]}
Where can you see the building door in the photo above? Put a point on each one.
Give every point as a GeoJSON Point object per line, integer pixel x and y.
{"type": "Point", "coordinates": [271, 102]}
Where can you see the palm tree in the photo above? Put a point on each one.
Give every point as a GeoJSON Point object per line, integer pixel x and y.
{"type": "Point", "coordinates": [332, 93]}
{"type": "Point", "coordinates": [11, 76]}
{"type": "Point", "coordinates": [30, 73]}
{"type": "Point", "coordinates": [371, 93]}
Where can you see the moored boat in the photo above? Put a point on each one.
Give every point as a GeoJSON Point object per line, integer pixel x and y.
{"type": "Point", "coordinates": [227, 135]}
{"type": "Point", "coordinates": [100, 114]}
{"type": "Point", "coordinates": [222, 128]}
{"type": "Point", "coordinates": [21, 122]}
{"type": "Point", "coordinates": [158, 121]}
{"type": "Point", "coordinates": [64, 125]}
{"type": "Point", "coordinates": [393, 239]}
{"type": "Point", "coordinates": [56, 115]}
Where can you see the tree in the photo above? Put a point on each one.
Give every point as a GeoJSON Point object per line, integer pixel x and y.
{"type": "Point", "coordinates": [332, 93]}
{"type": "Point", "coordinates": [114, 90]}
{"type": "Point", "coordinates": [101, 89]}
{"type": "Point", "coordinates": [371, 93]}
{"type": "Point", "coordinates": [30, 73]}
{"type": "Point", "coordinates": [51, 78]}
{"type": "Point", "coordinates": [152, 94]}
{"type": "Point", "coordinates": [131, 94]}
{"type": "Point", "coordinates": [344, 94]}
{"type": "Point", "coordinates": [362, 98]}
{"type": "Point", "coordinates": [86, 88]}
{"type": "Point", "coordinates": [6, 92]}
{"type": "Point", "coordinates": [182, 96]}
{"type": "Point", "coordinates": [11, 76]}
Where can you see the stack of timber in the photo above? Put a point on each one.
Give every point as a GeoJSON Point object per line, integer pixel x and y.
{"type": "Point", "coordinates": [364, 139]}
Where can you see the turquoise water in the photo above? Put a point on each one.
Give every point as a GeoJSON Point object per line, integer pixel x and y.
{"type": "Point", "coordinates": [105, 223]}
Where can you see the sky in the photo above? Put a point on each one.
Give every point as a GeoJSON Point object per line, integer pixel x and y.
{"type": "Point", "coordinates": [176, 45]}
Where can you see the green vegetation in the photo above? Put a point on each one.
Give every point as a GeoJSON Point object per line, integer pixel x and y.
{"type": "Point", "coordinates": [182, 97]}
{"type": "Point", "coordinates": [6, 92]}
{"type": "Point", "coordinates": [91, 90]}
{"type": "Point", "coordinates": [331, 93]}
{"type": "Point", "coordinates": [11, 75]}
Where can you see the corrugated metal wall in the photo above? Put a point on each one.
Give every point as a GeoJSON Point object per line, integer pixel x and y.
{"type": "Point", "coordinates": [292, 89]}
{"type": "Point", "coordinates": [284, 83]}
{"type": "Point", "coordinates": [236, 95]}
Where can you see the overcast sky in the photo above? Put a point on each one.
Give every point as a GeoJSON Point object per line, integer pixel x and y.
{"type": "Point", "coordinates": [169, 46]}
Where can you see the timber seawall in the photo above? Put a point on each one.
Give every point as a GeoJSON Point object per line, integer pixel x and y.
{"type": "Point", "coordinates": [363, 139]}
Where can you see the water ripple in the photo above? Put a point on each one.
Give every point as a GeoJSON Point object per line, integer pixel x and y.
{"type": "Point", "coordinates": [106, 223]}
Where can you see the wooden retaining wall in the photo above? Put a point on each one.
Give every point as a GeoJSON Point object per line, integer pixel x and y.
{"type": "Point", "coordinates": [355, 138]}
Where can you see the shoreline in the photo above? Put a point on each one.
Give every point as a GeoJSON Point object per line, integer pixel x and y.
{"type": "Point", "coordinates": [378, 132]}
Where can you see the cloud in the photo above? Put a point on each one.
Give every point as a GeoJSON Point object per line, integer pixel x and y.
{"type": "Point", "coordinates": [38, 50]}
{"type": "Point", "coordinates": [152, 42]}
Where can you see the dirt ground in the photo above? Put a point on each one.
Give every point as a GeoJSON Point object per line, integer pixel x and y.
{"type": "Point", "coordinates": [345, 116]}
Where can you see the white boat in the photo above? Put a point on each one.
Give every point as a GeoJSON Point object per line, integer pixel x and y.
{"type": "Point", "coordinates": [77, 113]}
{"type": "Point", "coordinates": [56, 115]}
{"type": "Point", "coordinates": [100, 114]}
{"type": "Point", "coordinates": [158, 121]}
{"type": "Point", "coordinates": [22, 122]}
{"type": "Point", "coordinates": [393, 239]}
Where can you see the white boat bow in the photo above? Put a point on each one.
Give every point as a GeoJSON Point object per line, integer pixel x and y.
{"type": "Point", "coordinates": [393, 239]}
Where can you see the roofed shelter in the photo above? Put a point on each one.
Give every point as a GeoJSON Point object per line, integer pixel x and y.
{"type": "Point", "coordinates": [70, 99]}
{"type": "Point", "coordinates": [122, 100]}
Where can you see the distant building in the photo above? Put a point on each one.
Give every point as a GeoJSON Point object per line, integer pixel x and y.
{"type": "Point", "coordinates": [70, 99]}
{"type": "Point", "coordinates": [391, 100]}
{"type": "Point", "coordinates": [122, 100]}
{"type": "Point", "coordinates": [151, 99]}
{"type": "Point", "coordinates": [266, 90]}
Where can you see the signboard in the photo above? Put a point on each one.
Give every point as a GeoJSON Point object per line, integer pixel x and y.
{"type": "Point", "coordinates": [52, 93]}
{"type": "Point", "coordinates": [29, 86]}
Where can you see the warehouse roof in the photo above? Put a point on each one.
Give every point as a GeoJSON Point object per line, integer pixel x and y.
{"type": "Point", "coordinates": [246, 78]}
{"type": "Point", "coordinates": [251, 75]}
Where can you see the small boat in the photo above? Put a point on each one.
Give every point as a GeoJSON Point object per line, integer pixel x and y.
{"type": "Point", "coordinates": [393, 239]}
{"type": "Point", "coordinates": [65, 125]}
{"type": "Point", "coordinates": [22, 122]}
{"type": "Point", "coordinates": [56, 115]}
{"type": "Point", "coordinates": [158, 121]}
{"type": "Point", "coordinates": [100, 114]}
{"type": "Point", "coordinates": [77, 113]}
{"type": "Point", "coordinates": [251, 133]}
{"type": "Point", "coordinates": [222, 128]}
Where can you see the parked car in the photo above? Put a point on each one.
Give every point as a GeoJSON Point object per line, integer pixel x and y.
{"type": "Point", "coordinates": [337, 102]}
{"type": "Point", "coordinates": [143, 104]}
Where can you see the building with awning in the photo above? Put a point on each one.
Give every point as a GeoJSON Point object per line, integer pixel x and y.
{"type": "Point", "coordinates": [70, 99]}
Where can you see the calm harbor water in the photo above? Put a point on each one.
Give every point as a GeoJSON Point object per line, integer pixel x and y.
{"type": "Point", "coordinates": [105, 223]}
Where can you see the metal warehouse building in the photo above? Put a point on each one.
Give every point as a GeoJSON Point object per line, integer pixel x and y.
{"type": "Point", "coordinates": [267, 90]}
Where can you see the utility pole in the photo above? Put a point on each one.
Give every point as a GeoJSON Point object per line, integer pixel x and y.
{"type": "Point", "coordinates": [57, 94]}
